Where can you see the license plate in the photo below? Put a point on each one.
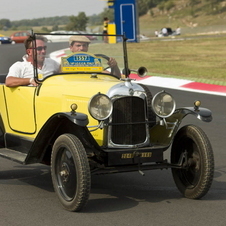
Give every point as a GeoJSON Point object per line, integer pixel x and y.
{"type": "Point", "coordinates": [132, 155]}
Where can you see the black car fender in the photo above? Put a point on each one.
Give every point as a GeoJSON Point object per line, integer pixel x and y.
{"type": "Point", "coordinates": [203, 114]}
{"type": "Point", "coordinates": [56, 125]}
{"type": "Point", "coordinates": [165, 130]}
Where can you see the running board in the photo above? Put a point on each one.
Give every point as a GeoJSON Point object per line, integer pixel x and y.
{"type": "Point", "coordinates": [13, 155]}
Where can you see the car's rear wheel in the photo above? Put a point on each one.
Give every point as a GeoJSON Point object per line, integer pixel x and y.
{"type": "Point", "coordinates": [191, 148]}
{"type": "Point", "coordinates": [70, 172]}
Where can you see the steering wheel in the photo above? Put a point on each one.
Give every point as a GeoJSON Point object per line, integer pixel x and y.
{"type": "Point", "coordinates": [105, 57]}
{"type": "Point", "coordinates": [114, 71]}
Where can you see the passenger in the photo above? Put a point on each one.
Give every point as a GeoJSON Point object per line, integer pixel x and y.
{"type": "Point", "coordinates": [81, 43]}
{"type": "Point", "coordinates": [21, 73]}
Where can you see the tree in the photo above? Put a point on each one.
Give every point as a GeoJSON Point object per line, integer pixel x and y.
{"type": "Point", "coordinates": [214, 5]}
{"type": "Point", "coordinates": [192, 4]}
{"type": "Point", "coordinates": [152, 3]}
{"type": "Point", "coordinates": [169, 5]}
{"type": "Point", "coordinates": [77, 22]}
{"type": "Point", "coordinates": [55, 27]}
{"type": "Point", "coordinates": [82, 21]}
{"type": "Point", "coordinates": [142, 7]}
{"type": "Point", "coordinates": [161, 6]}
{"type": "Point", "coordinates": [145, 5]}
{"type": "Point", "coordinates": [109, 13]}
{"type": "Point", "coordinates": [5, 23]}
{"type": "Point", "coordinates": [45, 29]}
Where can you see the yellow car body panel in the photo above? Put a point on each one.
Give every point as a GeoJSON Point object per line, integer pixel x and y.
{"type": "Point", "coordinates": [20, 109]}
{"type": "Point", "coordinates": [70, 91]}
{"type": "Point", "coordinates": [28, 108]}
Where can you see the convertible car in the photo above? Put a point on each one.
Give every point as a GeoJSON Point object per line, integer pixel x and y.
{"type": "Point", "coordinates": [85, 120]}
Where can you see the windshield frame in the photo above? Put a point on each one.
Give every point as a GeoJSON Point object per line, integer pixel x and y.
{"type": "Point", "coordinates": [119, 39]}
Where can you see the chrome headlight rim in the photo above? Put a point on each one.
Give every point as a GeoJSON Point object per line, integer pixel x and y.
{"type": "Point", "coordinates": [93, 106]}
{"type": "Point", "coordinates": [160, 96]}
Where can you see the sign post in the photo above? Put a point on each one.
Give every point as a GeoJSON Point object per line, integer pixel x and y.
{"type": "Point", "coordinates": [126, 18]}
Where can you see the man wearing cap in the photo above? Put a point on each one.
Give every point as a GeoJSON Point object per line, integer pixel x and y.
{"type": "Point", "coordinates": [81, 43]}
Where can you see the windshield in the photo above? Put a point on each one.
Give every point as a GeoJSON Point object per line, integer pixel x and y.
{"type": "Point", "coordinates": [73, 52]}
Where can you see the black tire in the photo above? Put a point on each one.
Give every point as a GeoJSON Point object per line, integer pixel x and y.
{"type": "Point", "coordinates": [196, 177]}
{"type": "Point", "coordinates": [70, 172]}
{"type": "Point", "coordinates": [151, 113]}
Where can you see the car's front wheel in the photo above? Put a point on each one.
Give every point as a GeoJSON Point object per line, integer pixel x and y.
{"type": "Point", "coordinates": [191, 148]}
{"type": "Point", "coordinates": [70, 172]}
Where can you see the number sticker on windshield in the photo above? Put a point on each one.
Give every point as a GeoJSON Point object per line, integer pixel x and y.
{"type": "Point", "coordinates": [81, 61]}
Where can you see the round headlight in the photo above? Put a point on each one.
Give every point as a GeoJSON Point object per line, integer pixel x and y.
{"type": "Point", "coordinates": [163, 104]}
{"type": "Point", "coordinates": [100, 107]}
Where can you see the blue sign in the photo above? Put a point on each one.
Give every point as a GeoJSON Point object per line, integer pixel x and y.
{"type": "Point", "coordinates": [126, 19]}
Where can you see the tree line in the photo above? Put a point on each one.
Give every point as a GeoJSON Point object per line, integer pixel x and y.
{"type": "Point", "coordinates": [72, 22]}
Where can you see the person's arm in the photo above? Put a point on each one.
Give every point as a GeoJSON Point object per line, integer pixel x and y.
{"type": "Point", "coordinates": [114, 67]}
{"type": "Point", "coordinates": [16, 74]}
{"type": "Point", "coordinates": [14, 81]}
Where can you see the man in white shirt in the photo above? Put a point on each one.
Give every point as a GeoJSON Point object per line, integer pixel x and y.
{"type": "Point", "coordinates": [22, 73]}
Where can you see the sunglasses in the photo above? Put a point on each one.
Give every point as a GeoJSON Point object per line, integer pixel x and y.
{"type": "Point", "coordinates": [40, 48]}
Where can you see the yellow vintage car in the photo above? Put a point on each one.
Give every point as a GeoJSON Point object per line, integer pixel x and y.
{"type": "Point", "coordinates": [85, 120]}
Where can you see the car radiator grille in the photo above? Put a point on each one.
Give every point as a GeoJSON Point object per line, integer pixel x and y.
{"type": "Point", "coordinates": [128, 121]}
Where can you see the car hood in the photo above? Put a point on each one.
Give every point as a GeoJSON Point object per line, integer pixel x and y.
{"type": "Point", "coordinates": [73, 84]}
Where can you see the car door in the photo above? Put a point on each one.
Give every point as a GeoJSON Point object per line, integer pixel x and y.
{"type": "Point", "coordinates": [20, 108]}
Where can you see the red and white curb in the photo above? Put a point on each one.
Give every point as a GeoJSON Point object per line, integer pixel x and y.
{"type": "Point", "coordinates": [181, 84]}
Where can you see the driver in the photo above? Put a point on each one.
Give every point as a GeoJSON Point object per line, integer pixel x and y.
{"type": "Point", "coordinates": [21, 73]}
{"type": "Point", "coordinates": [81, 43]}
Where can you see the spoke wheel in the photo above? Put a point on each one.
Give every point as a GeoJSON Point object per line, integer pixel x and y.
{"type": "Point", "coordinates": [191, 148]}
{"type": "Point", "coordinates": [70, 172]}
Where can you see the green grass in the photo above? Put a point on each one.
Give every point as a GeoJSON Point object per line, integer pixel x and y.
{"type": "Point", "coordinates": [201, 59]}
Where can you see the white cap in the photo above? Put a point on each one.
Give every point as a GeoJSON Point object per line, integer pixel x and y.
{"type": "Point", "coordinates": [78, 38]}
